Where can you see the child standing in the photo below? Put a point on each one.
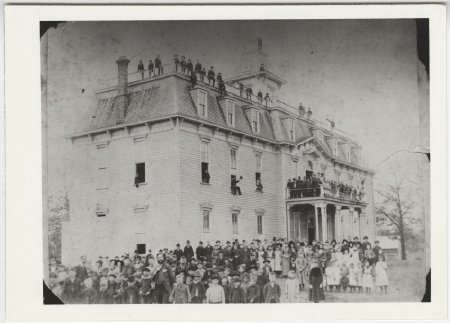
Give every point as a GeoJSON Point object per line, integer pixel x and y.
{"type": "Point", "coordinates": [367, 279]}
{"type": "Point", "coordinates": [253, 290]}
{"type": "Point", "coordinates": [215, 293]}
{"type": "Point", "coordinates": [344, 277]}
{"type": "Point", "coordinates": [226, 285]}
{"type": "Point", "coordinates": [237, 294]}
{"type": "Point", "coordinates": [292, 287]}
{"type": "Point", "coordinates": [272, 290]}
{"type": "Point", "coordinates": [301, 269]}
{"type": "Point", "coordinates": [381, 276]}
{"type": "Point", "coordinates": [197, 290]}
{"type": "Point", "coordinates": [352, 277]}
{"type": "Point", "coordinates": [180, 293]}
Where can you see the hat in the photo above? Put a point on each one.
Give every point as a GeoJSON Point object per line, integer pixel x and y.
{"type": "Point", "coordinates": [266, 261]}
{"type": "Point", "coordinates": [253, 267]}
{"type": "Point", "coordinates": [236, 279]}
{"type": "Point", "coordinates": [188, 241]}
{"type": "Point", "coordinates": [234, 274]}
{"type": "Point", "coordinates": [178, 245]}
{"type": "Point", "coordinates": [366, 237]}
{"type": "Point", "coordinates": [145, 269]}
{"type": "Point", "coordinates": [213, 277]}
{"type": "Point", "coordinates": [112, 275]}
{"type": "Point", "coordinates": [217, 241]}
{"type": "Point", "coordinates": [245, 275]}
{"type": "Point", "coordinates": [200, 242]}
{"type": "Point", "coordinates": [228, 242]}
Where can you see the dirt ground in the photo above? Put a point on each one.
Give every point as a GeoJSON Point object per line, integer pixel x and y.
{"type": "Point", "coordinates": [407, 284]}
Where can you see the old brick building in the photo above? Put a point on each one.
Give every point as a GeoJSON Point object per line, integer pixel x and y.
{"type": "Point", "coordinates": [138, 175]}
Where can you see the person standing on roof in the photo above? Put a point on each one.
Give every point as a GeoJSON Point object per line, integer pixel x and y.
{"type": "Point", "coordinates": [212, 76]}
{"type": "Point", "coordinates": [141, 69]}
{"type": "Point", "coordinates": [189, 67]}
{"type": "Point", "coordinates": [158, 65]}
{"type": "Point", "coordinates": [198, 67]}
{"type": "Point", "coordinates": [151, 68]}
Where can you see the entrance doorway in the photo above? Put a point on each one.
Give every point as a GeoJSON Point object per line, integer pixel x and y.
{"type": "Point", "coordinates": [311, 235]}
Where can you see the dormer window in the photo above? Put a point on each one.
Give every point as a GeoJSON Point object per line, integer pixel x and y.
{"type": "Point", "coordinates": [231, 115]}
{"type": "Point", "coordinates": [348, 152]}
{"type": "Point", "coordinates": [202, 106]}
{"type": "Point", "coordinates": [255, 120]}
{"type": "Point", "coordinates": [334, 147]}
{"type": "Point", "coordinates": [320, 135]}
{"type": "Point", "coordinates": [291, 129]}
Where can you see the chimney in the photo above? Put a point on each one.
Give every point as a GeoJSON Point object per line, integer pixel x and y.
{"type": "Point", "coordinates": [122, 88]}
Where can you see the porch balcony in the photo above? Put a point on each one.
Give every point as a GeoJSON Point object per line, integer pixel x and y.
{"type": "Point", "coordinates": [324, 192]}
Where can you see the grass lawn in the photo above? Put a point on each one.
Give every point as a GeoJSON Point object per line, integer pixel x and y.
{"type": "Point", "coordinates": [406, 279]}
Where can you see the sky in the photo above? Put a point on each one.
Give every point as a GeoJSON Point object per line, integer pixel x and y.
{"type": "Point", "coordinates": [363, 74]}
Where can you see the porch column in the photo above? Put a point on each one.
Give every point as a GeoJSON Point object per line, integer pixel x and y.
{"type": "Point", "coordinates": [323, 210]}
{"type": "Point", "coordinates": [338, 223]}
{"type": "Point", "coordinates": [352, 223]}
{"type": "Point", "coordinates": [316, 218]}
{"type": "Point", "coordinates": [288, 220]}
{"type": "Point", "coordinates": [363, 223]}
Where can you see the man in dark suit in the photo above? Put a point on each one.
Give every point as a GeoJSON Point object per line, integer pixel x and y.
{"type": "Point", "coordinates": [198, 67]}
{"type": "Point", "coordinates": [188, 251]}
{"type": "Point", "coordinates": [208, 252]}
{"type": "Point", "coordinates": [164, 280]}
{"type": "Point", "coordinates": [158, 65]}
{"type": "Point", "coordinates": [200, 252]}
{"type": "Point", "coordinates": [182, 267]}
{"type": "Point", "coordinates": [178, 252]}
{"type": "Point", "coordinates": [189, 66]}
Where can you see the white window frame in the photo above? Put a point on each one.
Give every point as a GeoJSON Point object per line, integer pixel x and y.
{"type": "Point", "coordinates": [208, 228]}
{"type": "Point", "coordinates": [204, 156]}
{"type": "Point", "coordinates": [259, 223]}
{"type": "Point", "coordinates": [199, 105]}
{"type": "Point", "coordinates": [255, 112]}
{"type": "Point", "coordinates": [233, 155]}
{"type": "Point", "coordinates": [291, 129]}
{"type": "Point", "coordinates": [231, 105]}
{"type": "Point", "coordinates": [235, 224]}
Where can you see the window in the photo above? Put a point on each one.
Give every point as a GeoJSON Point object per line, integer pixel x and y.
{"type": "Point", "coordinates": [255, 120]}
{"type": "Point", "coordinates": [205, 220]}
{"type": "Point", "coordinates": [258, 180]}
{"type": "Point", "coordinates": [334, 147]}
{"type": "Point", "coordinates": [140, 174]}
{"type": "Point", "coordinates": [295, 170]}
{"type": "Point", "coordinates": [205, 162]}
{"type": "Point", "coordinates": [102, 176]}
{"type": "Point", "coordinates": [100, 211]}
{"type": "Point", "coordinates": [291, 130]}
{"type": "Point", "coordinates": [141, 248]}
{"type": "Point", "coordinates": [230, 113]}
{"type": "Point", "coordinates": [259, 220]}
{"type": "Point", "coordinates": [234, 221]}
{"type": "Point", "coordinates": [233, 158]}
{"type": "Point", "coordinates": [202, 104]}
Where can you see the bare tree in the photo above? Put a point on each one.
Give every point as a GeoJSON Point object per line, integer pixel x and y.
{"type": "Point", "coordinates": [394, 209]}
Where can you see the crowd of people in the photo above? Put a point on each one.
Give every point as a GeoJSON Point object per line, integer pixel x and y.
{"type": "Point", "coordinates": [231, 272]}
{"type": "Point", "coordinates": [311, 187]}
{"type": "Point", "coordinates": [198, 72]}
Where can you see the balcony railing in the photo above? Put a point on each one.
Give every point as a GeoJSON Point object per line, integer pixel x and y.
{"type": "Point", "coordinates": [323, 191]}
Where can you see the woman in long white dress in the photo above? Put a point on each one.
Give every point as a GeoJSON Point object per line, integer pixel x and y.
{"type": "Point", "coordinates": [367, 279]}
{"type": "Point", "coordinates": [277, 261]}
{"type": "Point", "coordinates": [381, 277]}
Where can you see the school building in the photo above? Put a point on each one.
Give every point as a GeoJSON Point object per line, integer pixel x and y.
{"type": "Point", "coordinates": [138, 176]}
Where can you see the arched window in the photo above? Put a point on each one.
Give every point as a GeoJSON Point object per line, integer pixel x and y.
{"type": "Point", "coordinates": [309, 169]}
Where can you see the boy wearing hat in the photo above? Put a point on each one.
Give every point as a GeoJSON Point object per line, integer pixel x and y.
{"type": "Point", "coordinates": [146, 286]}
{"type": "Point", "coordinates": [215, 293]}
{"type": "Point", "coordinates": [237, 294]}
{"type": "Point", "coordinates": [197, 290]}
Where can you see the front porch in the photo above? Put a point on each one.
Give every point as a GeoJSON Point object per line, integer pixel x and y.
{"type": "Point", "coordinates": [321, 219]}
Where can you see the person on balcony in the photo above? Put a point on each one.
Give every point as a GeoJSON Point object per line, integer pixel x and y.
{"type": "Point", "coordinates": [241, 89]}
{"type": "Point", "coordinates": [183, 64]}
{"type": "Point", "coordinates": [151, 68]}
{"type": "Point", "coordinates": [211, 76]}
{"type": "Point", "coordinates": [189, 67]}
{"type": "Point", "coordinates": [141, 69]}
{"type": "Point", "coordinates": [260, 97]}
{"type": "Point", "coordinates": [249, 92]}
{"type": "Point", "coordinates": [158, 65]}
{"type": "Point", "coordinates": [267, 99]}
{"type": "Point", "coordinates": [290, 187]}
